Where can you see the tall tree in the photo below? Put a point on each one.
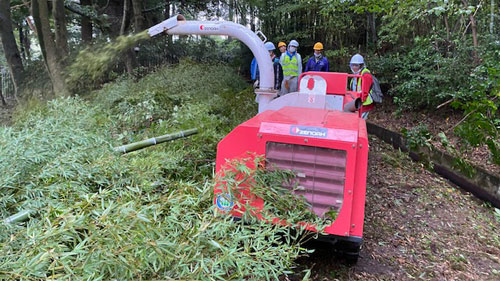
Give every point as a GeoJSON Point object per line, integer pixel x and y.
{"type": "Point", "coordinates": [130, 61]}
{"type": "Point", "coordinates": [50, 51]}
{"type": "Point", "coordinates": [60, 28]}
{"type": "Point", "coordinates": [24, 42]}
{"type": "Point", "coordinates": [492, 16]}
{"type": "Point", "coordinates": [473, 27]}
{"type": "Point", "coordinates": [4, 103]}
{"type": "Point", "coordinates": [86, 23]}
{"type": "Point", "coordinates": [10, 46]}
{"type": "Point", "coordinates": [139, 20]}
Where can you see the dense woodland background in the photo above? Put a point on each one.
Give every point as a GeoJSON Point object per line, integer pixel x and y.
{"type": "Point", "coordinates": [424, 52]}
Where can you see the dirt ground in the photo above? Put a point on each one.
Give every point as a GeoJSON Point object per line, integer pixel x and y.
{"type": "Point", "coordinates": [6, 113]}
{"type": "Point", "coordinates": [418, 226]}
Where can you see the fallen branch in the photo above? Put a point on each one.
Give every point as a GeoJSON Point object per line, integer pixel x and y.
{"type": "Point", "coordinates": [467, 115]}
{"type": "Point", "coordinates": [445, 103]}
{"type": "Point", "coordinates": [461, 120]}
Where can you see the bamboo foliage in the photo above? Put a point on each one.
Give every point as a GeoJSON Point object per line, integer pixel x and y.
{"type": "Point", "coordinates": [99, 216]}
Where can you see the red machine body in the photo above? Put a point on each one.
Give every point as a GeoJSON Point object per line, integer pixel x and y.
{"type": "Point", "coordinates": [328, 149]}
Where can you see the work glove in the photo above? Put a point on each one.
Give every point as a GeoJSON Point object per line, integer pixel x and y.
{"type": "Point", "coordinates": [364, 96]}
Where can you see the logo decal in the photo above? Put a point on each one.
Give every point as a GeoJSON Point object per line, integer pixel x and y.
{"type": "Point", "coordinates": [210, 27]}
{"type": "Point", "coordinates": [304, 131]}
{"type": "Point", "coordinates": [224, 202]}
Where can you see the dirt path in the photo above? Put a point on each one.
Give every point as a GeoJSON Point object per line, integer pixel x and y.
{"type": "Point", "coordinates": [417, 226]}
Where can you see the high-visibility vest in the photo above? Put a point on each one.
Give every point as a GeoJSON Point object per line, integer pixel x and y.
{"type": "Point", "coordinates": [355, 86]}
{"type": "Point", "coordinates": [290, 66]}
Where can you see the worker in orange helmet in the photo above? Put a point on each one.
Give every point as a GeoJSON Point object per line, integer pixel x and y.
{"type": "Point", "coordinates": [318, 62]}
{"type": "Point", "coordinates": [282, 47]}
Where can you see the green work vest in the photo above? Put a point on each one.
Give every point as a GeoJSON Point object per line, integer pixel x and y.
{"type": "Point", "coordinates": [358, 86]}
{"type": "Point", "coordinates": [290, 66]}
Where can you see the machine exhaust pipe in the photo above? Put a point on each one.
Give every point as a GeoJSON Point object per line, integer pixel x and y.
{"type": "Point", "coordinates": [352, 106]}
{"type": "Point", "coordinates": [178, 25]}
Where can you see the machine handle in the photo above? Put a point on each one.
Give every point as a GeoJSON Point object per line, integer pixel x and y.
{"type": "Point", "coordinates": [258, 32]}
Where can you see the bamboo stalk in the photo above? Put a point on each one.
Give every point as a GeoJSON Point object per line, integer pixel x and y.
{"type": "Point", "coordinates": [153, 141]}
{"type": "Point", "coordinates": [19, 217]}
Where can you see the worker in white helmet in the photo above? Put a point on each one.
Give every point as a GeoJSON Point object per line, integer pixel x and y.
{"type": "Point", "coordinates": [291, 61]}
{"type": "Point", "coordinates": [278, 71]}
{"type": "Point", "coordinates": [363, 85]}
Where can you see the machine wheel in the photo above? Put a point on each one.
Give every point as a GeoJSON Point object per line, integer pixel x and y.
{"type": "Point", "coordinates": [351, 258]}
{"type": "Point", "coordinates": [348, 251]}
{"type": "Point", "coordinates": [345, 249]}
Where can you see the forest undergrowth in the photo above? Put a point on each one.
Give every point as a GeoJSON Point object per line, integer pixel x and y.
{"type": "Point", "coordinates": [97, 215]}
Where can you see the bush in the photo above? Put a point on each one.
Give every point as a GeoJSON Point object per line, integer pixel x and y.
{"type": "Point", "coordinates": [423, 76]}
{"type": "Point", "coordinates": [145, 215]}
{"type": "Point", "coordinates": [481, 124]}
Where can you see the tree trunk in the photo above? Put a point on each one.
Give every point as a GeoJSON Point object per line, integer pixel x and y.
{"type": "Point", "coordinates": [10, 47]}
{"type": "Point", "coordinates": [252, 17]}
{"type": "Point", "coordinates": [373, 28]}
{"type": "Point", "coordinates": [125, 17]}
{"type": "Point", "coordinates": [231, 10]}
{"type": "Point", "coordinates": [130, 61]}
{"type": "Point", "coordinates": [138, 17]}
{"type": "Point", "coordinates": [60, 29]}
{"type": "Point", "coordinates": [473, 27]}
{"type": "Point", "coordinates": [1, 97]}
{"type": "Point", "coordinates": [367, 30]}
{"type": "Point", "coordinates": [166, 13]}
{"type": "Point", "coordinates": [45, 35]}
{"type": "Point", "coordinates": [27, 44]}
{"type": "Point", "coordinates": [35, 13]}
{"type": "Point", "coordinates": [20, 29]}
{"type": "Point", "coordinates": [446, 24]}
{"type": "Point", "coordinates": [86, 24]}
{"type": "Point", "coordinates": [243, 15]}
{"type": "Point", "coordinates": [167, 16]}
{"type": "Point", "coordinates": [492, 17]}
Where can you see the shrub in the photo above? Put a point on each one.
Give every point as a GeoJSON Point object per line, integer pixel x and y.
{"type": "Point", "coordinates": [423, 76]}
{"type": "Point", "coordinates": [145, 215]}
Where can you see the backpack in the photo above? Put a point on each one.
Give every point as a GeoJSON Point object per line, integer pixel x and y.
{"type": "Point", "coordinates": [375, 91]}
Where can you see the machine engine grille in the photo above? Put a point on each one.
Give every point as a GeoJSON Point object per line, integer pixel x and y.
{"type": "Point", "coordinates": [320, 173]}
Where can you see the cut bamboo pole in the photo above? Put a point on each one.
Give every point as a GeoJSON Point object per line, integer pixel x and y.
{"type": "Point", "coordinates": [153, 141]}
{"type": "Point", "coordinates": [19, 217]}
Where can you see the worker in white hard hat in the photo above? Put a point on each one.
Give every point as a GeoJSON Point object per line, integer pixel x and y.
{"type": "Point", "coordinates": [278, 71]}
{"type": "Point", "coordinates": [317, 62]}
{"type": "Point", "coordinates": [291, 61]}
{"type": "Point", "coordinates": [363, 85]}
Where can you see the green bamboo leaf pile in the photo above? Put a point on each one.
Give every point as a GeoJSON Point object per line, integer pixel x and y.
{"type": "Point", "coordinates": [142, 216]}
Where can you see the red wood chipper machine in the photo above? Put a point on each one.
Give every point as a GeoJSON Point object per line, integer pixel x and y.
{"type": "Point", "coordinates": [307, 132]}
